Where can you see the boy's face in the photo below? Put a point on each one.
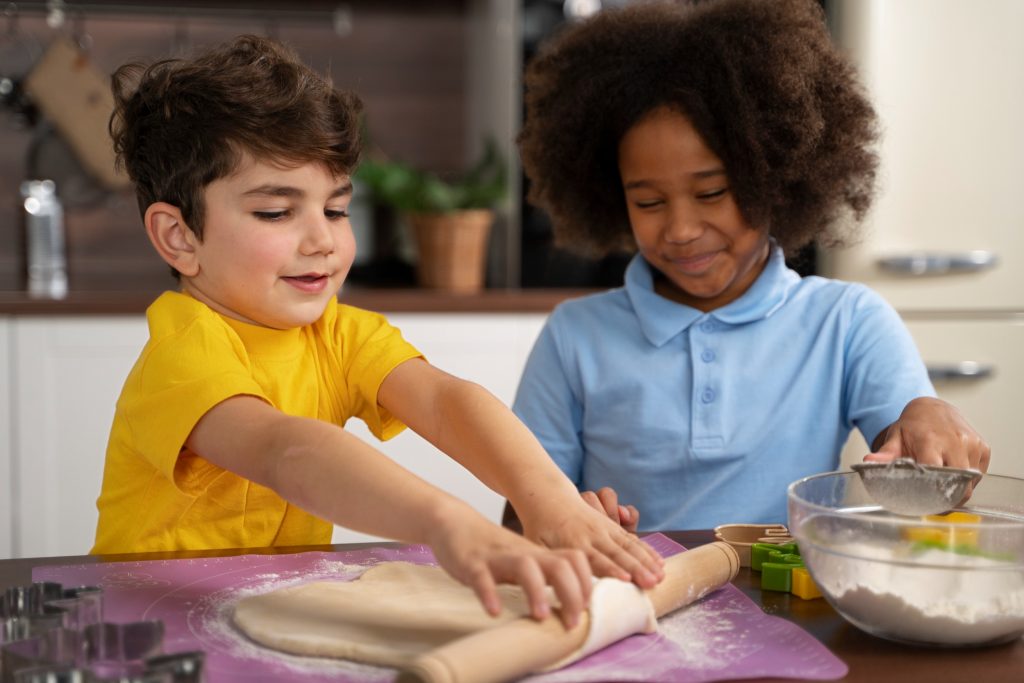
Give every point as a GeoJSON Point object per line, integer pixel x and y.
{"type": "Point", "coordinates": [277, 244]}
{"type": "Point", "coordinates": [683, 214]}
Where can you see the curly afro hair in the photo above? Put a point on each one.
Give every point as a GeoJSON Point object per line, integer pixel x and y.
{"type": "Point", "coordinates": [761, 82]}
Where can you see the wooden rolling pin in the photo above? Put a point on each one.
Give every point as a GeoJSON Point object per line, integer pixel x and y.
{"type": "Point", "coordinates": [526, 646]}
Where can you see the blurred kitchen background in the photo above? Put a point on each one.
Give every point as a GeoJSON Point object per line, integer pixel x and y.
{"type": "Point", "coordinates": [439, 78]}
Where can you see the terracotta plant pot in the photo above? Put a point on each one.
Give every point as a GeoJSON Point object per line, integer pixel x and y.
{"type": "Point", "coordinates": [452, 248]}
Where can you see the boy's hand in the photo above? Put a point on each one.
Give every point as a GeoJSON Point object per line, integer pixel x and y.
{"type": "Point", "coordinates": [606, 501]}
{"type": "Point", "coordinates": [481, 555]}
{"type": "Point", "coordinates": [932, 432]}
{"type": "Point", "coordinates": [610, 549]}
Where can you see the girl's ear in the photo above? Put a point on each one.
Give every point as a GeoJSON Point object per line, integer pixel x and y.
{"type": "Point", "coordinates": [172, 238]}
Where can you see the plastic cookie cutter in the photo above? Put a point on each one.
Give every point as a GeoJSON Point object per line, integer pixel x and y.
{"type": "Point", "coordinates": [52, 634]}
{"type": "Point", "coordinates": [782, 569]}
{"type": "Point", "coordinates": [961, 531]}
{"type": "Point", "coordinates": [742, 536]}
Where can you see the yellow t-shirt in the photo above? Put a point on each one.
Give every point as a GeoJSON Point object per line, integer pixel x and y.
{"type": "Point", "coordinates": [157, 495]}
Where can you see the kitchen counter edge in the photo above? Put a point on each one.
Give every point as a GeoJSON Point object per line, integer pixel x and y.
{"type": "Point", "coordinates": [95, 303]}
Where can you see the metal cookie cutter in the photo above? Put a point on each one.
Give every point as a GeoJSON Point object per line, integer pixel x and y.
{"type": "Point", "coordinates": [51, 634]}
{"type": "Point", "coordinates": [26, 611]}
{"type": "Point", "coordinates": [742, 536]}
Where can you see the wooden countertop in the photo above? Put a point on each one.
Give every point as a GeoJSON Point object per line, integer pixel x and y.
{"type": "Point", "coordinates": [870, 659]}
{"type": "Point", "coordinates": [123, 302]}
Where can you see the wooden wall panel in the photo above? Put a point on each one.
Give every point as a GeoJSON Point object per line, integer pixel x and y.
{"type": "Point", "coordinates": [407, 61]}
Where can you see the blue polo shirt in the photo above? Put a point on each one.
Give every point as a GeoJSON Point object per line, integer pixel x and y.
{"type": "Point", "coordinates": [701, 419]}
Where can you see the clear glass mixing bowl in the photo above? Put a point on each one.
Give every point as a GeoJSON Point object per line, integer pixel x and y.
{"type": "Point", "coordinates": [952, 580]}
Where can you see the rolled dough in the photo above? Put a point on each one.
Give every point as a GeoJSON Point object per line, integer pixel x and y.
{"type": "Point", "coordinates": [396, 611]}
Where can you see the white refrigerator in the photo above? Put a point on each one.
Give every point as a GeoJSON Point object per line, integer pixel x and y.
{"type": "Point", "coordinates": [945, 240]}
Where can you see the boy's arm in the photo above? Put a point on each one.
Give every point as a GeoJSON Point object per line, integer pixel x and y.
{"type": "Point", "coordinates": [468, 423]}
{"type": "Point", "coordinates": [331, 473]}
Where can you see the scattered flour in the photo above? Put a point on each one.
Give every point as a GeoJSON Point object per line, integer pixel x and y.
{"type": "Point", "coordinates": [943, 598]}
{"type": "Point", "coordinates": [211, 622]}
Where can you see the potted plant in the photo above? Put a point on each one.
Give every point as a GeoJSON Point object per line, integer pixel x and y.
{"type": "Point", "coordinates": [450, 217]}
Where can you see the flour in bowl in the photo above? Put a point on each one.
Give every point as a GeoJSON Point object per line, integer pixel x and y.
{"type": "Point", "coordinates": [943, 598]}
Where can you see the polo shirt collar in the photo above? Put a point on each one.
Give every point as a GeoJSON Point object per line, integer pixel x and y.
{"type": "Point", "coordinates": [662, 319]}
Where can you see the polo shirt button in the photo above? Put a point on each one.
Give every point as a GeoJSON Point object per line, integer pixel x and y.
{"type": "Point", "coordinates": [707, 326]}
{"type": "Point", "coordinates": [707, 355]}
{"type": "Point", "coordinates": [708, 396]}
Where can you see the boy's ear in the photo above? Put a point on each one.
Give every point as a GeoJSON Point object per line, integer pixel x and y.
{"type": "Point", "coordinates": [172, 238]}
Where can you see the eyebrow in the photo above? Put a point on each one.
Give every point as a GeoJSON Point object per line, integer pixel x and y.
{"type": "Point", "coordinates": [288, 191]}
{"type": "Point", "coordinates": [699, 175]}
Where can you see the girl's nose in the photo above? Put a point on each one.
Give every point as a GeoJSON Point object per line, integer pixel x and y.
{"type": "Point", "coordinates": [683, 225]}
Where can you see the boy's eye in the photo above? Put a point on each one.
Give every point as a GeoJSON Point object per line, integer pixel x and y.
{"type": "Point", "coordinates": [270, 215]}
{"type": "Point", "coordinates": [336, 214]}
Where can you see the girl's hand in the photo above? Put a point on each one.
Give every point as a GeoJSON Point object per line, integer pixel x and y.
{"type": "Point", "coordinates": [932, 432]}
{"type": "Point", "coordinates": [606, 501]}
{"type": "Point", "coordinates": [610, 549]}
{"type": "Point", "coordinates": [481, 555]}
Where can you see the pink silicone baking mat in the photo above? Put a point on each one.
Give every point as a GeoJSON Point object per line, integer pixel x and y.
{"type": "Point", "coordinates": [724, 636]}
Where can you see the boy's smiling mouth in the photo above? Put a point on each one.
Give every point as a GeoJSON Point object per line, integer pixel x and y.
{"type": "Point", "coordinates": [313, 283]}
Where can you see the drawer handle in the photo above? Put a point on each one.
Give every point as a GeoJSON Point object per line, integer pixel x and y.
{"type": "Point", "coordinates": [967, 370]}
{"type": "Point", "coordinates": [939, 264]}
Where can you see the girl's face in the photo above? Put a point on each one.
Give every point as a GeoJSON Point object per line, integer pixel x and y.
{"type": "Point", "coordinates": [277, 244]}
{"type": "Point", "coordinates": [684, 216]}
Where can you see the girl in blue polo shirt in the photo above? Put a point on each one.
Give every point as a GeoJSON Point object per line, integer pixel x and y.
{"type": "Point", "coordinates": [714, 139]}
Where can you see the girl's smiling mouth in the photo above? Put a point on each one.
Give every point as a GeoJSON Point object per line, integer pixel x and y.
{"type": "Point", "coordinates": [692, 265]}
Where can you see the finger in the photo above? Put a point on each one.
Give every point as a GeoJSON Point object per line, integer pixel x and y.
{"type": "Point", "coordinates": [602, 565]}
{"type": "Point", "coordinates": [486, 590]}
{"type": "Point", "coordinates": [934, 450]}
{"type": "Point", "coordinates": [609, 502]}
{"type": "Point", "coordinates": [959, 458]}
{"type": "Point", "coordinates": [649, 557]}
{"type": "Point", "coordinates": [890, 449]}
{"type": "Point", "coordinates": [578, 560]}
{"type": "Point", "coordinates": [984, 456]}
{"type": "Point", "coordinates": [591, 499]}
{"type": "Point", "coordinates": [566, 583]}
{"type": "Point", "coordinates": [645, 553]}
{"type": "Point", "coordinates": [531, 579]}
{"type": "Point", "coordinates": [640, 567]}
{"type": "Point", "coordinates": [629, 518]}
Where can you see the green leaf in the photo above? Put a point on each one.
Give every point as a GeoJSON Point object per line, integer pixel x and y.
{"type": "Point", "coordinates": [404, 188]}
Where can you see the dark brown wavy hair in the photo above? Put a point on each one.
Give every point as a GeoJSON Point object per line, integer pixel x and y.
{"type": "Point", "coordinates": [180, 124]}
{"type": "Point", "coordinates": [762, 84]}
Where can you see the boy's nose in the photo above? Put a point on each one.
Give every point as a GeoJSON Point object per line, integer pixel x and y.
{"type": "Point", "coordinates": [318, 237]}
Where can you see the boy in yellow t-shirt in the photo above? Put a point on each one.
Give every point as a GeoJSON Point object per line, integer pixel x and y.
{"type": "Point", "coordinates": [229, 430]}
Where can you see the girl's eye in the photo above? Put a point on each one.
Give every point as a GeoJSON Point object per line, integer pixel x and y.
{"type": "Point", "coordinates": [336, 214]}
{"type": "Point", "coordinates": [270, 215]}
{"type": "Point", "coordinates": [714, 194]}
{"type": "Point", "coordinates": [648, 204]}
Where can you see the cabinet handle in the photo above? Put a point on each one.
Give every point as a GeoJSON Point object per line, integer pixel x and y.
{"type": "Point", "coordinates": [939, 264]}
{"type": "Point", "coordinates": [967, 370]}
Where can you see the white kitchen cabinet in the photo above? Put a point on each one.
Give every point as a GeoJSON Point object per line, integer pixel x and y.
{"type": "Point", "coordinates": [6, 504]}
{"type": "Point", "coordinates": [66, 373]}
